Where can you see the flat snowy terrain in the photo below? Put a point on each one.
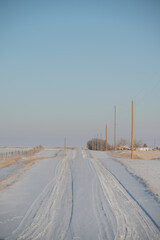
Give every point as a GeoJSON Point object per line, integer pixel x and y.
{"type": "Point", "coordinates": [147, 170]}
{"type": "Point", "coordinates": [81, 195]}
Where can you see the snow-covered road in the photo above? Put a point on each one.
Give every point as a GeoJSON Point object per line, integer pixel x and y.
{"type": "Point", "coordinates": [74, 196]}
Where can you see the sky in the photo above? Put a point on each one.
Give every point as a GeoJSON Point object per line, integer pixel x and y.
{"type": "Point", "coordinates": [64, 65]}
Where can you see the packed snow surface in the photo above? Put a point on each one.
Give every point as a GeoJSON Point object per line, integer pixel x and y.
{"type": "Point", "coordinates": [78, 195]}
{"type": "Point", "coordinates": [147, 170]}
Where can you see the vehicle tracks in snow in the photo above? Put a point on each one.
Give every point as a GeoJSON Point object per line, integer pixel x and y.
{"type": "Point", "coordinates": [85, 201]}
{"type": "Point", "coordinates": [50, 215]}
{"type": "Point", "coordinates": [131, 221]}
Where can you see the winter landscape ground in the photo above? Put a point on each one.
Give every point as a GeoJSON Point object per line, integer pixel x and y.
{"type": "Point", "coordinates": [79, 194]}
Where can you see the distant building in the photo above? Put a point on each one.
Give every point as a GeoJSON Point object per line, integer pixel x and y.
{"type": "Point", "coordinates": [144, 149]}
{"type": "Point", "coordinates": [123, 148]}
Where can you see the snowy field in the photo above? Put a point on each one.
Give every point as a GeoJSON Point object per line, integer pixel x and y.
{"type": "Point", "coordinates": [147, 170]}
{"type": "Point", "coordinates": [78, 195]}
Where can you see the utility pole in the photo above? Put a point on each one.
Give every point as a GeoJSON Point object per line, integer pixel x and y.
{"type": "Point", "coordinates": [65, 145]}
{"type": "Point", "coordinates": [106, 137]}
{"type": "Point", "coordinates": [115, 147]}
{"type": "Point", "coordinates": [101, 142]}
{"type": "Point", "coordinates": [132, 130]}
{"type": "Point", "coordinates": [97, 142]}
{"type": "Point", "coordinates": [92, 143]}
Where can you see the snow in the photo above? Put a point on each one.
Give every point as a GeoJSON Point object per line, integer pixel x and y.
{"type": "Point", "coordinates": [47, 153]}
{"type": "Point", "coordinates": [7, 171]}
{"type": "Point", "coordinates": [147, 170]}
{"type": "Point", "coordinates": [13, 149]}
{"type": "Point", "coordinates": [78, 195]}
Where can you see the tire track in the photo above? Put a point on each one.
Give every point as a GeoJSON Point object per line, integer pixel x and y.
{"type": "Point", "coordinates": [131, 221]}
{"type": "Point", "coordinates": [45, 219]}
{"type": "Point", "coordinates": [54, 215]}
{"type": "Point", "coordinates": [104, 215]}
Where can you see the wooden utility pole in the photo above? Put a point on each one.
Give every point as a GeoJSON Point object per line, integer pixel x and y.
{"type": "Point", "coordinates": [65, 145]}
{"type": "Point", "coordinates": [115, 147]}
{"type": "Point", "coordinates": [132, 130]}
{"type": "Point", "coordinates": [106, 137]}
{"type": "Point", "coordinates": [97, 142]}
{"type": "Point", "coordinates": [101, 142]}
{"type": "Point", "coordinates": [92, 143]}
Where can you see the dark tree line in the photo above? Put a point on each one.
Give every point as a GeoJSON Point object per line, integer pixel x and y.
{"type": "Point", "coordinates": [98, 145]}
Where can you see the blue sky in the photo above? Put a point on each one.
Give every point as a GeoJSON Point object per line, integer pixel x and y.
{"type": "Point", "coordinates": [64, 65]}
